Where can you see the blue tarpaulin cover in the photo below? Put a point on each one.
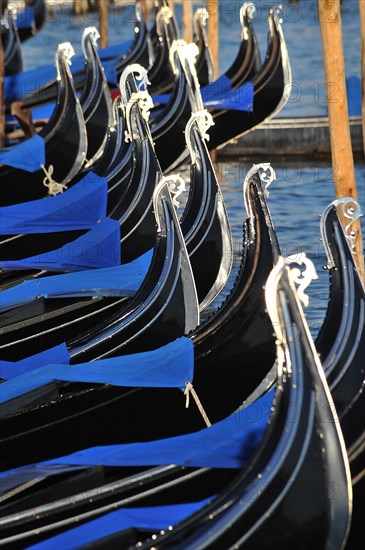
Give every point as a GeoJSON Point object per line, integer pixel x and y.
{"type": "Point", "coordinates": [226, 444]}
{"type": "Point", "coordinates": [121, 280]}
{"type": "Point", "coordinates": [218, 95]}
{"type": "Point", "coordinates": [153, 517]}
{"type": "Point", "coordinates": [167, 367]}
{"type": "Point", "coordinates": [80, 207]}
{"type": "Point", "coordinates": [27, 155]}
{"type": "Point", "coordinates": [57, 355]}
{"type": "Point", "coordinates": [353, 88]}
{"type": "Point", "coordinates": [115, 50]}
{"type": "Point", "coordinates": [99, 247]}
{"type": "Point", "coordinates": [20, 85]}
{"type": "Point", "coordinates": [25, 18]}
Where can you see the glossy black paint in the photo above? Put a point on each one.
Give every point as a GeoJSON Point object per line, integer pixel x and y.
{"type": "Point", "coordinates": [64, 136]}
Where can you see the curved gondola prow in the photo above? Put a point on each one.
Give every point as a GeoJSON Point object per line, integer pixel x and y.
{"type": "Point", "coordinates": [134, 207]}
{"type": "Point", "coordinates": [204, 222]}
{"type": "Point", "coordinates": [275, 26]}
{"type": "Point", "coordinates": [248, 61]}
{"type": "Point", "coordinates": [341, 340]}
{"type": "Point", "coordinates": [12, 52]}
{"type": "Point", "coordinates": [296, 460]}
{"type": "Point", "coordinates": [297, 346]}
{"type": "Point", "coordinates": [95, 98]}
{"type": "Point", "coordinates": [168, 126]}
{"type": "Point", "coordinates": [244, 328]}
{"type": "Point", "coordinates": [65, 132]}
{"type": "Point", "coordinates": [271, 91]}
{"type": "Point", "coordinates": [164, 307]}
{"type": "Point", "coordinates": [204, 63]}
{"type": "Point", "coordinates": [160, 73]}
{"type": "Point", "coordinates": [139, 52]}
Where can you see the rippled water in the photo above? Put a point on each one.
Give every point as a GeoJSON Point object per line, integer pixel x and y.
{"type": "Point", "coordinates": [302, 190]}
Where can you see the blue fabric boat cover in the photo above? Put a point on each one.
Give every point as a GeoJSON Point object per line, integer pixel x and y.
{"type": "Point", "coordinates": [121, 280]}
{"type": "Point", "coordinates": [99, 247]}
{"type": "Point", "coordinates": [20, 85]}
{"type": "Point", "coordinates": [227, 444]}
{"type": "Point", "coordinates": [80, 207]}
{"type": "Point", "coordinates": [57, 355]}
{"type": "Point", "coordinates": [25, 18]}
{"type": "Point", "coordinates": [115, 50]}
{"type": "Point", "coordinates": [153, 517]}
{"type": "Point", "coordinates": [353, 88]}
{"type": "Point", "coordinates": [27, 155]}
{"type": "Point", "coordinates": [240, 99]}
{"type": "Point", "coordinates": [167, 367]}
{"type": "Point", "coordinates": [218, 95]}
{"type": "Point", "coordinates": [110, 72]}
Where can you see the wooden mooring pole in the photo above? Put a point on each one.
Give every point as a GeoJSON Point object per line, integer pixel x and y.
{"type": "Point", "coordinates": [187, 20]}
{"type": "Point", "coordinates": [213, 40]}
{"type": "Point", "coordinates": [103, 8]}
{"type": "Point", "coordinates": [213, 33]}
{"type": "Point", "coordinates": [362, 30]}
{"type": "Point", "coordinates": [341, 149]}
{"type": "Point", "coordinates": [80, 7]}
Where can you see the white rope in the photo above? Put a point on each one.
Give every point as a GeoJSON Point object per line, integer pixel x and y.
{"type": "Point", "coordinates": [54, 188]}
{"type": "Point", "coordinates": [190, 390]}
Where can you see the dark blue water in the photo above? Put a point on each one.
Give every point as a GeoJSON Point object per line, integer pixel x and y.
{"type": "Point", "coordinates": [302, 190]}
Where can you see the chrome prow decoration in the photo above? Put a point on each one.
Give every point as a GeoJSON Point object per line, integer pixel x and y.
{"type": "Point", "coordinates": [267, 176]}
{"type": "Point", "coordinates": [142, 97]}
{"type": "Point", "coordinates": [176, 186]}
{"type": "Point", "coordinates": [248, 9]}
{"type": "Point", "coordinates": [350, 210]}
{"type": "Point", "coordinates": [162, 194]}
{"type": "Point", "coordinates": [66, 49]}
{"type": "Point", "coordinates": [302, 278]}
{"type": "Point", "coordinates": [188, 54]}
{"type": "Point", "coordinates": [200, 16]}
{"type": "Point", "coordinates": [141, 76]}
{"type": "Point", "coordinates": [204, 121]}
{"type": "Point", "coordinates": [93, 34]}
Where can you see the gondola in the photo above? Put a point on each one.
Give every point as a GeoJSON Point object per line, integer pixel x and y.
{"type": "Point", "coordinates": [204, 63]}
{"type": "Point", "coordinates": [65, 141]}
{"type": "Point", "coordinates": [13, 58]}
{"type": "Point", "coordinates": [341, 340]}
{"type": "Point", "coordinates": [270, 86]}
{"type": "Point", "coordinates": [95, 99]}
{"type": "Point", "coordinates": [127, 200]}
{"type": "Point", "coordinates": [204, 223]}
{"type": "Point", "coordinates": [104, 401]}
{"type": "Point", "coordinates": [160, 72]}
{"type": "Point", "coordinates": [265, 469]}
{"type": "Point", "coordinates": [167, 126]}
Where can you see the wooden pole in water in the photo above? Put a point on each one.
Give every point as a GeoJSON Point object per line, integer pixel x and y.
{"type": "Point", "coordinates": [80, 7]}
{"type": "Point", "coordinates": [213, 33]}
{"type": "Point", "coordinates": [213, 40]}
{"type": "Point", "coordinates": [342, 159]}
{"type": "Point", "coordinates": [103, 6]}
{"type": "Point", "coordinates": [362, 30]}
{"type": "Point", "coordinates": [187, 20]}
